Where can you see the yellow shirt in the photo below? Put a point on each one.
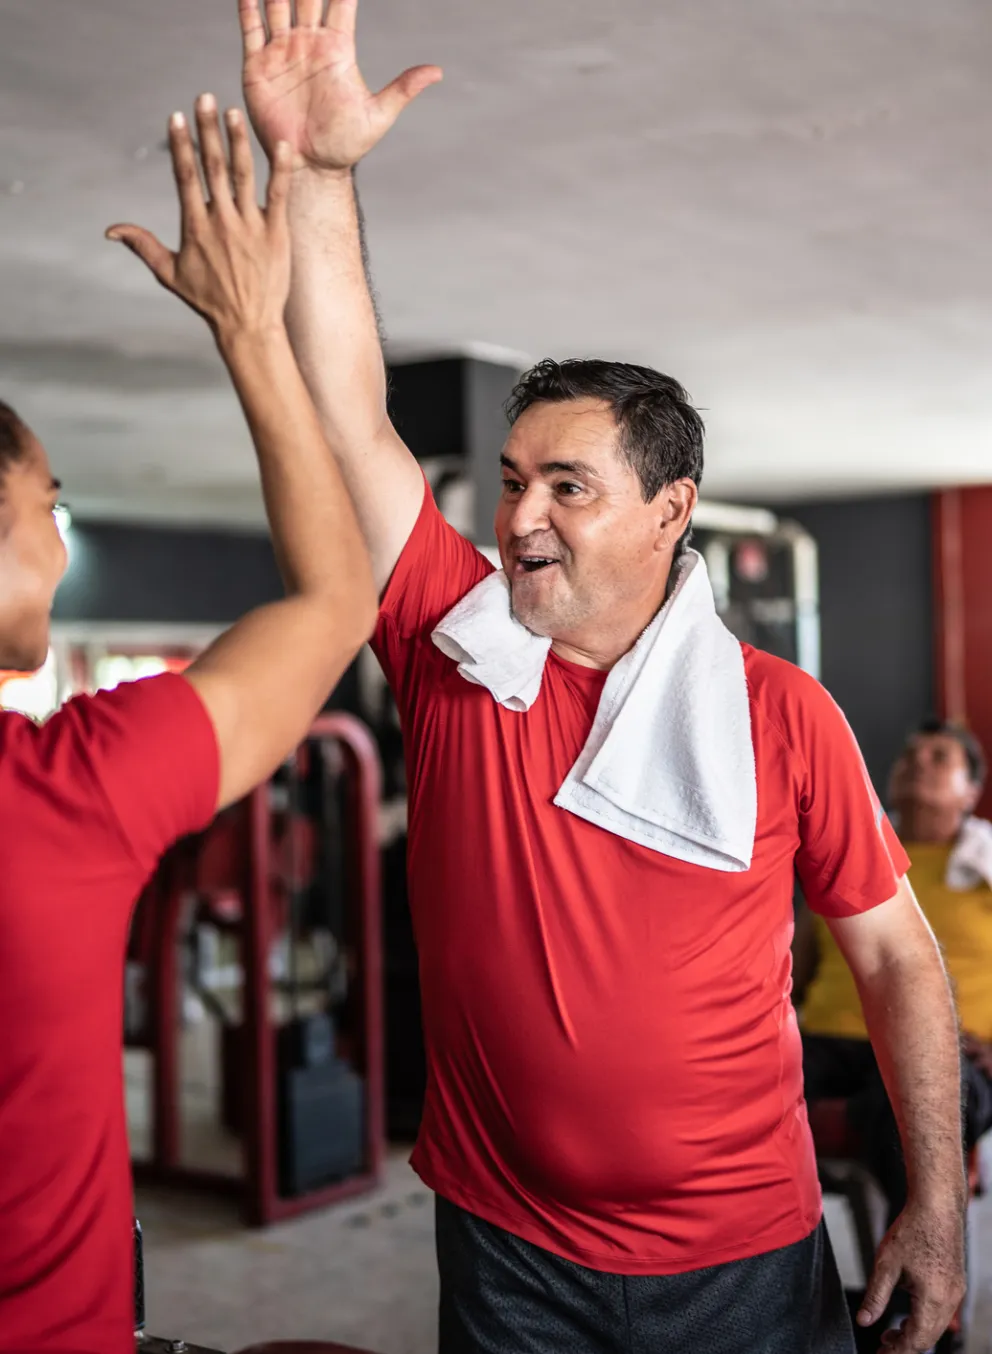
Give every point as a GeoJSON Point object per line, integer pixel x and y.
{"type": "Point", "coordinates": [962, 923]}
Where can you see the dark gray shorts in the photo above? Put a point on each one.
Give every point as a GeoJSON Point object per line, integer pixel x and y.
{"type": "Point", "coordinates": [502, 1295]}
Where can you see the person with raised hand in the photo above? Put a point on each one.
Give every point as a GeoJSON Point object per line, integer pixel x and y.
{"type": "Point", "coordinates": [91, 799]}
{"type": "Point", "coordinates": [601, 882]}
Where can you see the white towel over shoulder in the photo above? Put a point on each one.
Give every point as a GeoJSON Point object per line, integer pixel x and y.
{"type": "Point", "coordinates": [669, 762]}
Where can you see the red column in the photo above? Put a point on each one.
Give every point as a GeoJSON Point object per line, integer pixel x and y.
{"type": "Point", "coordinates": [962, 554]}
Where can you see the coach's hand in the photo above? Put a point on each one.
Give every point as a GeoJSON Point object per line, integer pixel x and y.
{"type": "Point", "coordinates": [922, 1252]}
{"type": "Point", "coordinates": [233, 262]}
{"type": "Point", "coordinates": [303, 86]}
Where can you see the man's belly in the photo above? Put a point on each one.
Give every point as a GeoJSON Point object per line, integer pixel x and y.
{"type": "Point", "coordinates": [610, 1100]}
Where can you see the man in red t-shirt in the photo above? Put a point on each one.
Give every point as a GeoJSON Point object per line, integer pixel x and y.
{"type": "Point", "coordinates": [614, 1121]}
{"type": "Point", "coordinates": [90, 800]}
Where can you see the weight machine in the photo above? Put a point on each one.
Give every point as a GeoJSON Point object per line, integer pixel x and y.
{"type": "Point", "coordinates": [302, 1059]}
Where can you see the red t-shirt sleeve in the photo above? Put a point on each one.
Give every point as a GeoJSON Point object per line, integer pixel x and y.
{"type": "Point", "coordinates": [849, 858]}
{"type": "Point", "coordinates": [437, 568]}
{"type": "Point", "coordinates": [140, 762]}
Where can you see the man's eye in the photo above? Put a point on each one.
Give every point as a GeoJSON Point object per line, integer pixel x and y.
{"type": "Point", "coordinates": [512, 486]}
{"type": "Point", "coordinates": [568, 488]}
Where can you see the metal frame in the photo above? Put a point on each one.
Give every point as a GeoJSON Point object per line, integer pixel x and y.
{"type": "Point", "coordinates": [257, 1186]}
{"type": "Point", "coordinates": [728, 523]}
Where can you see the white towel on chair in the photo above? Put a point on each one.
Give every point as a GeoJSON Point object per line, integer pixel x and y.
{"type": "Point", "coordinates": [669, 762]}
{"type": "Point", "coordinates": [970, 863]}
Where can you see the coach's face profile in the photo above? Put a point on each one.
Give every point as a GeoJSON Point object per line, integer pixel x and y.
{"type": "Point", "coordinates": [33, 556]}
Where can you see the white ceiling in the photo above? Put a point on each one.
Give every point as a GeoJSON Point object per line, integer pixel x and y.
{"type": "Point", "coordinates": [785, 203]}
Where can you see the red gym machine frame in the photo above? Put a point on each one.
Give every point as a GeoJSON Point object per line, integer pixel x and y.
{"type": "Point", "coordinates": [257, 1186]}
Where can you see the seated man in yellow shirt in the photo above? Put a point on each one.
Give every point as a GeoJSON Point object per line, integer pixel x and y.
{"type": "Point", "coordinates": [933, 790]}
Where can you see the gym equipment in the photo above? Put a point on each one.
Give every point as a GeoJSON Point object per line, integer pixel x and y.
{"type": "Point", "coordinates": [302, 1060]}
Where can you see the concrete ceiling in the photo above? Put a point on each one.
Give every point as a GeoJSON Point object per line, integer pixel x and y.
{"type": "Point", "coordinates": [785, 203]}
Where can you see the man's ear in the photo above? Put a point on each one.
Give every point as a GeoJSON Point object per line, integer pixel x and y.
{"type": "Point", "coordinates": [677, 502]}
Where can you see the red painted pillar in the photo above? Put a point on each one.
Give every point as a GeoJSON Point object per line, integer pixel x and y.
{"type": "Point", "coordinates": [962, 554]}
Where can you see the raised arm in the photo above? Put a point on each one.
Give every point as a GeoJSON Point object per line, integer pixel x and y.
{"type": "Point", "coordinates": [264, 680]}
{"type": "Point", "coordinates": [303, 86]}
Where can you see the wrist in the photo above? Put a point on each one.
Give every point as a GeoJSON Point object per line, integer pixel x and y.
{"type": "Point", "coordinates": [320, 181]}
{"type": "Point", "coordinates": [948, 1197]}
{"type": "Point", "coordinates": [238, 341]}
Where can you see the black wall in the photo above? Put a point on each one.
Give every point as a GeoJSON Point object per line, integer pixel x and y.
{"type": "Point", "coordinates": [156, 574]}
{"type": "Point", "coordinates": [876, 607]}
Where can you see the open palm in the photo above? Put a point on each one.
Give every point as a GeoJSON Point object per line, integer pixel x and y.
{"type": "Point", "coordinates": [303, 86]}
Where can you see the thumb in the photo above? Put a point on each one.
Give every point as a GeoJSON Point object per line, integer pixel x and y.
{"type": "Point", "coordinates": [881, 1285]}
{"type": "Point", "coordinates": [390, 102]}
{"type": "Point", "coordinates": [149, 249]}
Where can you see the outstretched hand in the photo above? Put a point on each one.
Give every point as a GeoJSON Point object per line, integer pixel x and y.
{"type": "Point", "coordinates": [233, 263]}
{"type": "Point", "coordinates": [303, 86]}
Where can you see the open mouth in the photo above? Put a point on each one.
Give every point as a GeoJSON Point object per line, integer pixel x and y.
{"type": "Point", "coordinates": [532, 563]}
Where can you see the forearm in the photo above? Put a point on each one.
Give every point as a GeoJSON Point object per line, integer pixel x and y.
{"type": "Point", "coordinates": [335, 335]}
{"type": "Point", "coordinates": [331, 314]}
{"type": "Point", "coordinates": [315, 532]}
{"type": "Point", "coordinates": [911, 1020]}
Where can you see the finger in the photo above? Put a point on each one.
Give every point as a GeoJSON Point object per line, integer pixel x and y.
{"type": "Point", "coordinates": [912, 1337]}
{"type": "Point", "coordinates": [927, 1323]}
{"type": "Point", "coordinates": [277, 196]}
{"type": "Point", "coordinates": [187, 174]}
{"type": "Point", "coordinates": [279, 17]}
{"type": "Point", "coordinates": [390, 102]}
{"type": "Point", "coordinates": [212, 152]}
{"type": "Point", "coordinates": [342, 16]}
{"type": "Point", "coordinates": [252, 27]}
{"type": "Point", "coordinates": [309, 13]}
{"type": "Point", "coordinates": [242, 163]}
{"type": "Point", "coordinates": [149, 249]}
{"type": "Point", "coordinates": [881, 1286]}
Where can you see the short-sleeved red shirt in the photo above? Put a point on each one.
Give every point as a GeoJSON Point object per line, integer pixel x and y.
{"type": "Point", "coordinates": [614, 1065]}
{"type": "Point", "coordinates": [88, 802]}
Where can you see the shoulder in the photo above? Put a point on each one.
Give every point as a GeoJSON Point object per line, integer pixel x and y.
{"type": "Point", "coordinates": [19, 734]}
{"type": "Point", "coordinates": [167, 705]}
{"type": "Point", "coordinates": [786, 697]}
{"type": "Point", "coordinates": [775, 681]}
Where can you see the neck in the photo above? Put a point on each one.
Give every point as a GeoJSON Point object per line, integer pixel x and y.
{"type": "Point", "coordinates": [602, 658]}
{"type": "Point", "coordinates": [927, 825]}
{"type": "Point", "coordinates": [604, 647]}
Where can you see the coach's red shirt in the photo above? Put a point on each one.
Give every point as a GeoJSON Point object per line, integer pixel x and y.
{"type": "Point", "coordinates": [614, 1066]}
{"type": "Point", "coordinates": [88, 802]}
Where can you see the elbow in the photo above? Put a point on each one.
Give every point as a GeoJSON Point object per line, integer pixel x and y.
{"type": "Point", "coordinates": [368, 614]}
{"type": "Point", "coordinates": [359, 615]}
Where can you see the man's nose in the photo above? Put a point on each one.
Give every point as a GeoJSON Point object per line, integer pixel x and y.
{"type": "Point", "coordinates": [530, 513]}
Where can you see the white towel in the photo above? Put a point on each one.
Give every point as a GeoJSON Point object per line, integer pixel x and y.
{"type": "Point", "coordinates": [669, 762]}
{"type": "Point", "coordinates": [970, 863]}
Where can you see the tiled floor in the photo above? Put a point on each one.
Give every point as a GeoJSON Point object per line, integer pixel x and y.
{"type": "Point", "coordinates": [362, 1273]}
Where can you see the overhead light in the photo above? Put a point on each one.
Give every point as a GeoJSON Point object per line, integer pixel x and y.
{"type": "Point", "coordinates": [63, 520]}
